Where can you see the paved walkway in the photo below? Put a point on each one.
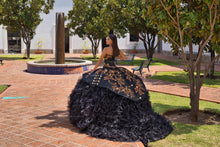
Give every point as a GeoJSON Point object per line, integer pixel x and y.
{"type": "Point", "coordinates": [41, 119]}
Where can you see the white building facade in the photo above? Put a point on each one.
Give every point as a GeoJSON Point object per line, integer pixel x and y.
{"type": "Point", "coordinates": [45, 33]}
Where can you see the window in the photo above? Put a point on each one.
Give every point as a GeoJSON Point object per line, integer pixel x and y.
{"type": "Point", "coordinates": [134, 38]}
{"type": "Point", "coordinates": [14, 42]}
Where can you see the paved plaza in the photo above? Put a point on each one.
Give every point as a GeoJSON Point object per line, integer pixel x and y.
{"type": "Point", "coordinates": [39, 116]}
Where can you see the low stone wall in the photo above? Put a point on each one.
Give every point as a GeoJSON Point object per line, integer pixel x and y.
{"type": "Point", "coordinates": [44, 51]}
{"type": "Point", "coordinates": [43, 67]}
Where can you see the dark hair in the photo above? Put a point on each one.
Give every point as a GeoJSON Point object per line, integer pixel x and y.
{"type": "Point", "coordinates": [114, 45]}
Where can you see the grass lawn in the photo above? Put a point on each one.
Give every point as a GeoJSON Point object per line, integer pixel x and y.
{"type": "Point", "coordinates": [3, 87]}
{"type": "Point", "coordinates": [20, 57]}
{"type": "Point", "coordinates": [137, 62]}
{"type": "Point", "coordinates": [90, 57]}
{"type": "Point", "coordinates": [155, 61]}
{"type": "Point", "coordinates": [181, 77]}
{"type": "Point", "coordinates": [186, 134]}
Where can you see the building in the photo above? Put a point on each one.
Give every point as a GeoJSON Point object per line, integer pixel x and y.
{"type": "Point", "coordinates": [45, 36]}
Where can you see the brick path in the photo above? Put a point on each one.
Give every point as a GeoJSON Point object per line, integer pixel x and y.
{"type": "Point", "coordinates": [41, 119]}
{"type": "Point", "coordinates": [179, 89]}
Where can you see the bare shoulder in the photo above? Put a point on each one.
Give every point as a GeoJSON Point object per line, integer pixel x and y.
{"type": "Point", "coordinates": [107, 48]}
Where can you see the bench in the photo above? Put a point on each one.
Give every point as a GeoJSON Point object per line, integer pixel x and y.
{"type": "Point", "coordinates": [129, 59]}
{"type": "Point", "coordinates": [144, 64]}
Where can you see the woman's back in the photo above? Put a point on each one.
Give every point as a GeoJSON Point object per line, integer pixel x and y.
{"type": "Point", "coordinates": [113, 103]}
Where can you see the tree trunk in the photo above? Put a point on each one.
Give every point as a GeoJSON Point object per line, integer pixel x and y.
{"type": "Point", "coordinates": [142, 37]}
{"type": "Point", "coordinates": [149, 41]}
{"type": "Point", "coordinates": [28, 45]}
{"type": "Point", "coordinates": [27, 41]}
{"type": "Point", "coordinates": [147, 50]}
{"type": "Point", "coordinates": [152, 47]}
{"type": "Point", "coordinates": [93, 50]}
{"type": "Point", "coordinates": [193, 114]}
{"type": "Point", "coordinates": [193, 90]}
{"type": "Point", "coordinates": [212, 68]}
{"type": "Point", "coordinates": [151, 53]}
{"type": "Point", "coordinates": [195, 103]}
{"type": "Point", "coordinates": [95, 45]}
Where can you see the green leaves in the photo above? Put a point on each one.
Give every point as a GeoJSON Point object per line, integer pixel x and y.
{"type": "Point", "coordinates": [89, 18]}
{"type": "Point", "coordinates": [24, 16]}
{"type": "Point", "coordinates": [193, 18]}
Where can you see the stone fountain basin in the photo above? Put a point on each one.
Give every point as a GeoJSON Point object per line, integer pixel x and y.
{"type": "Point", "coordinates": [71, 66]}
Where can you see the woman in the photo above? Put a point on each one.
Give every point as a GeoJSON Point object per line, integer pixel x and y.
{"type": "Point", "coordinates": [113, 103]}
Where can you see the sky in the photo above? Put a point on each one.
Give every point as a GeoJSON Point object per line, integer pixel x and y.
{"type": "Point", "coordinates": [63, 3]}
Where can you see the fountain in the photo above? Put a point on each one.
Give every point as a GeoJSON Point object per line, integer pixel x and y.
{"type": "Point", "coordinates": [60, 39]}
{"type": "Point", "coordinates": [60, 65]}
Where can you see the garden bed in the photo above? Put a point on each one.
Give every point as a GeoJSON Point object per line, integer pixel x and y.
{"type": "Point", "coordinates": [182, 116]}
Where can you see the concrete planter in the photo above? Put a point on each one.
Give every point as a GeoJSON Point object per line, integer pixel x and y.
{"type": "Point", "coordinates": [134, 51]}
{"type": "Point", "coordinates": [85, 52]}
{"type": "Point", "coordinates": [38, 52]}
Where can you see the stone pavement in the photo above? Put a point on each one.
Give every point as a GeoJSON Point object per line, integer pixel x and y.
{"type": "Point", "coordinates": [41, 119]}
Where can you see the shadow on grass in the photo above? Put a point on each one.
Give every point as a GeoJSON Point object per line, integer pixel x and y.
{"type": "Point", "coordinates": [179, 128]}
{"type": "Point", "coordinates": [160, 108]}
{"type": "Point", "coordinates": [212, 110]}
{"type": "Point", "coordinates": [58, 119]}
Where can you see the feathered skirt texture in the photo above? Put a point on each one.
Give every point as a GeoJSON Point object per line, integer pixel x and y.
{"type": "Point", "coordinates": [101, 113]}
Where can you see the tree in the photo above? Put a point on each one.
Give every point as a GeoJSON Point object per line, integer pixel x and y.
{"type": "Point", "coordinates": [24, 16]}
{"type": "Point", "coordinates": [180, 21]}
{"type": "Point", "coordinates": [1, 11]}
{"type": "Point", "coordinates": [87, 19]}
{"type": "Point", "coordinates": [130, 13]}
{"type": "Point", "coordinates": [212, 47]}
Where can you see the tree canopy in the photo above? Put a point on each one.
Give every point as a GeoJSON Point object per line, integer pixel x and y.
{"type": "Point", "coordinates": [24, 16]}
{"type": "Point", "coordinates": [128, 18]}
{"type": "Point", "coordinates": [87, 19]}
{"type": "Point", "coordinates": [184, 23]}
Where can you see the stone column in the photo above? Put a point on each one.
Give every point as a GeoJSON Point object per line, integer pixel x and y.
{"type": "Point", "coordinates": [5, 39]}
{"type": "Point", "coordinates": [60, 39]}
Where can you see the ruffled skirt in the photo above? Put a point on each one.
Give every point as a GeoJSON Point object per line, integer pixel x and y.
{"type": "Point", "coordinates": [101, 113]}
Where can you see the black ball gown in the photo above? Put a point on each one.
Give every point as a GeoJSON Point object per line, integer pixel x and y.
{"type": "Point", "coordinates": [113, 103]}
